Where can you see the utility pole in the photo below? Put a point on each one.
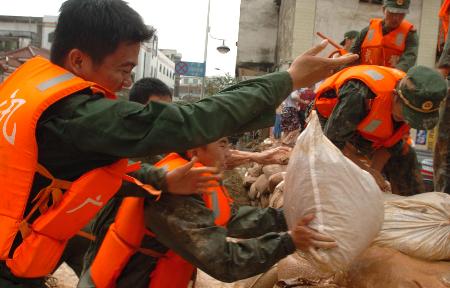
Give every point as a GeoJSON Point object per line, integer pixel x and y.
{"type": "Point", "coordinates": [205, 55]}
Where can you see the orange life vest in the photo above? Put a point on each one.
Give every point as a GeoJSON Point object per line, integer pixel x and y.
{"type": "Point", "coordinates": [24, 96]}
{"type": "Point", "coordinates": [125, 235]}
{"type": "Point", "coordinates": [337, 53]}
{"type": "Point", "coordinates": [443, 15]}
{"type": "Point", "coordinates": [384, 50]}
{"type": "Point", "coordinates": [377, 126]}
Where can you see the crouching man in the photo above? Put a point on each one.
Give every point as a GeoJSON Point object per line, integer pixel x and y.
{"type": "Point", "coordinates": [160, 243]}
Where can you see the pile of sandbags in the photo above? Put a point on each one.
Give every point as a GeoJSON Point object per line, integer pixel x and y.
{"type": "Point", "coordinates": [377, 267]}
{"type": "Point", "coordinates": [418, 225]}
{"type": "Point", "coordinates": [384, 267]}
{"type": "Point", "coordinates": [264, 280]}
{"type": "Point", "coordinates": [262, 182]}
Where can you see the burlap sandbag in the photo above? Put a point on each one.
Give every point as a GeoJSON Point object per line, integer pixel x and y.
{"type": "Point", "coordinates": [271, 169]}
{"type": "Point", "coordinates": [296, 266]}
{"type": "Point", "coordinates": [276, 199]}
{"type": "Point", "coordinates": [264, 280]}
{"type": "Point", "coordinates": [346, 200]}
{"type": "Point", "coordinates": [417, 225]}
{"type": "Point", "coordinates": [387, 268]}
{"type": "Point", "coordinates": [275, 179]}
{"type": "Point", "coordinates": [261, 185]}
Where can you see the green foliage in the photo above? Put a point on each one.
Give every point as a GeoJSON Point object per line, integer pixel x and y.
{"type": "Point", "coordinates": [218, 83]}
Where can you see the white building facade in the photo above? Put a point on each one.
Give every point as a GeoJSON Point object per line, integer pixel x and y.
{"type": "Point", "coordinates": [154, 63]}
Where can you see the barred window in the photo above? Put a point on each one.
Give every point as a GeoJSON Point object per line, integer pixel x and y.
{"type": "Point", "coordinates": [378, 2]}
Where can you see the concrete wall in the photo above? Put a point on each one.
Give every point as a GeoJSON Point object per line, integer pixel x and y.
{"type": "Point", "coordinates": [429, 29]}
{"type": "Point", "coordinates": [285, 33]}
{"type": "Point", "coordinates": [48, 26]}
{"type": "Point", "coordinates": [335, 17]}
{"type": "Point", "coordinates": [305, 19]}
{"type": "Point", "coordinates": [258, 25]}
{"type": "Point", "coordinates": [32, 26]}
{"type": "Point", "coordinates": [23, 27]}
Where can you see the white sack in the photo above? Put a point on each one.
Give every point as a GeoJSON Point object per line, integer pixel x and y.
{"type": "Point", "coordinates": [418, 225]}
{"type": "Point", "coordinates": [346, 200]}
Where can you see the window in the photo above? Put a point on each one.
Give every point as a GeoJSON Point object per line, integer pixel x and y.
{"type": "Point", "coordinates": [160, 67]}
{"type": "Point", "coordinates": [51, 36]}
{"type": "Point", "coordinates": [195, 81]}
{"type": "Point", "coordinates": [379, 2]}
{"type": "Point", "coordinates": [9, 44]}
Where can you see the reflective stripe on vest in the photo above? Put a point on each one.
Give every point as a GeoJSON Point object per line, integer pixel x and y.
{"type": "Point", "coordinates": [24, 96]}
{"type": "Point", "coordinates": [384, 50]}
{"type": "Point", "coordinates": [171, 271]}
{"type": "Point", "coordinates": [377, 126]}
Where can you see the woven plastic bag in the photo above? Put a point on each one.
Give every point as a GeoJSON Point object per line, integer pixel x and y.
{"type": "Point", "coordinates": [418, 225]}
{"type": "Point", "coordinates": [346, 201]}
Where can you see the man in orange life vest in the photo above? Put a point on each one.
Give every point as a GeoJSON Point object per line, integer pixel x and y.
{"type": "Point", "coordinates": [63, 115]}
{"type": "Point", "coordinates": [391, 41]}
{"type": "Point", "coordinates": [371, 108]}
{"type": "Point", "coordinates": [196, 228]}
{"type": "Point", "coordinates": [143, 91]}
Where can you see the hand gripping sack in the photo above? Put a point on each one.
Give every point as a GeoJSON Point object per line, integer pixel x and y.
{"type": "Point", "coordinates": [346, 201]}
{"type": "Point", "coordinates": [418, 225]}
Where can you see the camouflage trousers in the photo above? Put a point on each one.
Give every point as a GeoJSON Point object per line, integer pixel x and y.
{"type": "Point", "coordinates": [441, 157]}
{"type": "Point", "coordinates": [403, 172]}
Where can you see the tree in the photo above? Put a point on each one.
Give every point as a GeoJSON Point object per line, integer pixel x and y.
{"type": "Point", "coordinates": [218, 83]}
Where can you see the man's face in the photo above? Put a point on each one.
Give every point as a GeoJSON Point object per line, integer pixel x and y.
{"type": "Point", "coordinates": [392, 20]}
{"type": "Point", "coordinates": [114, 73]}
{"type": "Point", "coordinates": [348, 44]}
{"type": "Point", "coordinates": [213, 154]}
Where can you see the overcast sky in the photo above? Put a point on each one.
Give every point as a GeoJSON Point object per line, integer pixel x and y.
{"type": "Point", "coordinates": [180, 24]}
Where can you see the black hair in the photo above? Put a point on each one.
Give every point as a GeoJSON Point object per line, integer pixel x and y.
{"type": "Point", "coordinates": [146, 87]}
{"type": "Point", "coordinates": [96, 27]}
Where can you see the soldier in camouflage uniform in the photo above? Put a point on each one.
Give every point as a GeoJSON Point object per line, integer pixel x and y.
{"type": "Point", "coordinates": [394, 12]}
{"type": "Point", "coordinates": [441, 157]}
{"type": "Point", "coordinates": [402, 168]}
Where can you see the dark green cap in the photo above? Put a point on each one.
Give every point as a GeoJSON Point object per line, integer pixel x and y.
{"type": "Point", "coordinates": [352, 34]}
{"type": "Point", "coordinates": [397, 6]}
{"type": "Point", "coordinates": [422, 96]}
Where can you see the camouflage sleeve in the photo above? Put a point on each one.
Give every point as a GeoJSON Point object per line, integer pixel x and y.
{"type": "Point", "coordinates": [148, 174]}
{"type": "Point", "coordinates": [248, 221]}
{"type": "Point", "coordinates": [444, 60]}
{"type": "Point", "coordinates": [409, 56]}
{"type": "Point", "coordinates": [356, 48]}
{"type": "Point", "coordinates": [186, 225]}
{"type": "Point", "coordinates": [348, 112]}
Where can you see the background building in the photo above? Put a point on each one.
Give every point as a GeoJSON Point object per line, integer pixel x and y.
{"type": "Point", "coordinates": [190, 88]}
{"type": "Point", "coordinates": [273, 32]}
{"type": "Point", "coordinates": [153, 62]}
